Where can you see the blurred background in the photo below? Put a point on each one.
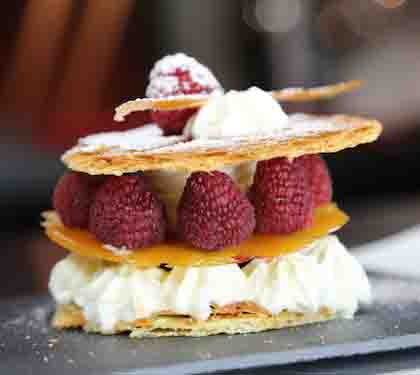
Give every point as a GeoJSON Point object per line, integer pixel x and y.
{"type": "Point", "coordinates": [66, 64]}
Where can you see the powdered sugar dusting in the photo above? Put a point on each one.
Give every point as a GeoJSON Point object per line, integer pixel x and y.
{"type": "Point", "coordinates": [197, 144]}
{"type": "Point", "coordinates": [149, 130]}
{"type": "Point", "coordinates": [162, 87]}
{"type": "Point", "coordinates": [298, 125]}
{"type": "Point", "coordinates": [163, 81]}
{"type": "Point", "coordinates": [144, 138]}
{"type": "Point", "coordinates": [149, 139]}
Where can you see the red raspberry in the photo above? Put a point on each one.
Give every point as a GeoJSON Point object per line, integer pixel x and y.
{"type": "Point", "coordinates": [125, 213]}
{"type": "Point", "coordinates": [73, 196]}
{"type": "Point", "coordinates": [319, 179]}
{"type": "Point", "coordinates": [172, 122]}
{"type": "Point", "coordinates": [177, 75]}
{"type": "Point", "coordinates": [281, 196]}
{"type": "Point", "coordinates": [213, 213]}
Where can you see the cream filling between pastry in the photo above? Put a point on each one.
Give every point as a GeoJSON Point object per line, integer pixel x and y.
{"type": "Point", "coordinates": [324, 274]}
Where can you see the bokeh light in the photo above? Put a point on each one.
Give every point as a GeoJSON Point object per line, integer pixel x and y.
{"type": "Point", "coordinates": [277, 16]}
{"type": "Point", "coordinates": [390, 4]}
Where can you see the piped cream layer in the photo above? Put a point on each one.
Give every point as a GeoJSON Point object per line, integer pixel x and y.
{"type": "Point", "coordinates": [322, 275]}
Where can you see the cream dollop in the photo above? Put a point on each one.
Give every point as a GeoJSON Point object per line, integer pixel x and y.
{"type": "Point", "coordinates": [323, 275]}
{"type": "Point", "coordinates": [252, 112]}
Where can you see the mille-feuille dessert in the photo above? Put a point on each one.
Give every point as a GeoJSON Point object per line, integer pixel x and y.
{"type": "Point", "coordinates": [217, 217]}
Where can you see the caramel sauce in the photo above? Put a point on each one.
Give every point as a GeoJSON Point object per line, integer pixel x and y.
{"type": "Point", "coordinates": [327, 218]}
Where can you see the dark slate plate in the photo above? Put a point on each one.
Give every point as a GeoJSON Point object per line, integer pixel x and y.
{"type": "Point", "coordinates": [29, 346]}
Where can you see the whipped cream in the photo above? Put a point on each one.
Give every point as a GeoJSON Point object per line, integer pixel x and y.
{"type": "Point", "coordinates": [252, 112]}
{"type": "Point", "coordinates": [323, 275]}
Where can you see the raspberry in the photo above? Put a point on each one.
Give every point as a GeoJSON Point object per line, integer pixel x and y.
{"type": "Point", "coordinates": [126, 213]}
{"type": "Point", "coordinates": [177, 75]}
{"type": "Point", "coordinates": [172, 122]}
{"type": "Point", "coordinates": [213, 213]}
{"type": "Point", "coordinates": [281, 196]}
{"type": "Point", "coordinates": [319, 179]}
{"type": "Point", "coordinates": [73, 196]}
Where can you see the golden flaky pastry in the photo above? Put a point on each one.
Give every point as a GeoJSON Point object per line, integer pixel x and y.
{"type": "Point", "coordinates": [238, 318]}
{"type": "Point", "coordinates": [307, 134]}
{"type": "Point", "coordinates": [292, 94]}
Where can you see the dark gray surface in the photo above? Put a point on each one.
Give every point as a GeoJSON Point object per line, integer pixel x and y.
{"type": "Point", "coordinates": [401, 362]}
{"type": "Point", "coordinates": [29, 346]}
